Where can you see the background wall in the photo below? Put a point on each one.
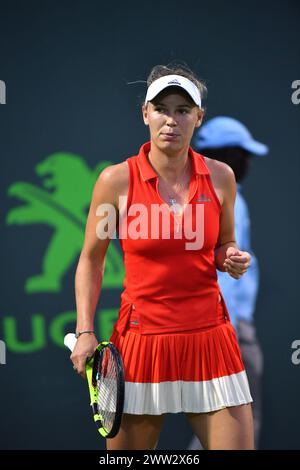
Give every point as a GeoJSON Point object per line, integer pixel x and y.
{"type": "Point", "coordinates": [66, 66]}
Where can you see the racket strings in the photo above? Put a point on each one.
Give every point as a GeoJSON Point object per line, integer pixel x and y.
{"type": "Point", "coordinates": [107, 388]}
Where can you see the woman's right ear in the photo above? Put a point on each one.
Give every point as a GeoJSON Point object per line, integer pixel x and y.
{"type": "Point", "coordinates": [145, 114]}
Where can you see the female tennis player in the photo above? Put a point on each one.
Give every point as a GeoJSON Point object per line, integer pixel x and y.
{"type": "Point", "coordinates": [179, 349]}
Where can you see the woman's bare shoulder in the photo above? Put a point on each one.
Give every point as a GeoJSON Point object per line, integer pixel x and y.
{"type": "Point", "coordinates": [112, 183]}
{"type": "Point", "coordinates": [115, 176]}
{"type": "Point", "coordinates": [220, 171]}
{"type": "Point", "coordinates": [223, 179]}
{"type": "Point", "coordinates": [115, 173]}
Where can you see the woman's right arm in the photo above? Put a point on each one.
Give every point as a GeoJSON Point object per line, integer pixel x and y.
{"type": "Point", "coordinates": [90, 268]}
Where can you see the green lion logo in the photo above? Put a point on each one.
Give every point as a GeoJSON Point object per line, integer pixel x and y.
{"type": "Point", "coordinates": [63, 206]}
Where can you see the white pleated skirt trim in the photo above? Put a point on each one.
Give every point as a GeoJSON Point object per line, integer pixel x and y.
{"type": "Point", "coordinates": [188, 397]}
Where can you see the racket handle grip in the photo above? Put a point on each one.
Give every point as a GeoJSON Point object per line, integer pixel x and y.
{"type": "Point", "coordinates": [70, 341]}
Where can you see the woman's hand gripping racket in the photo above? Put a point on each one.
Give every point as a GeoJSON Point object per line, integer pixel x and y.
{"type": "Point", "coordinates": [105, 376]}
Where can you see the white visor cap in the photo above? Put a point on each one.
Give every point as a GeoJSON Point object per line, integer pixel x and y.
{"type": "Point", "coordinates": [173, 80]}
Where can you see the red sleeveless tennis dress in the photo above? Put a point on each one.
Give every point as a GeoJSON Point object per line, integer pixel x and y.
{"type": "Point", "coordinates": [179, 349]}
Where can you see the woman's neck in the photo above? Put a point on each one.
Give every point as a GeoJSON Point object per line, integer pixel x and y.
{"type": "Point", "coordinates": [170, 167]}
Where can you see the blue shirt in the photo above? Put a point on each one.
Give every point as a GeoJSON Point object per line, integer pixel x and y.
{"type": "Point", "coordinates": [240, 294]}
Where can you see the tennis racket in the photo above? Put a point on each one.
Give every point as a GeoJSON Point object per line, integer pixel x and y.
{"type": "Point", "coordinates": [105, 377]}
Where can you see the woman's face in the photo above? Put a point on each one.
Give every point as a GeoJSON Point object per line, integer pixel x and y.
{"type": "Point", "coordinates": [172, 118]}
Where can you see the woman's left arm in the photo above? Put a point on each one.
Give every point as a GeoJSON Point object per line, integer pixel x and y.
{"type": "Point", "coordinates": [228, 257]}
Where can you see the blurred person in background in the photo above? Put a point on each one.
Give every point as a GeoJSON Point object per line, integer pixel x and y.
{"type": "Point", "coordinates": [228, 140]}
